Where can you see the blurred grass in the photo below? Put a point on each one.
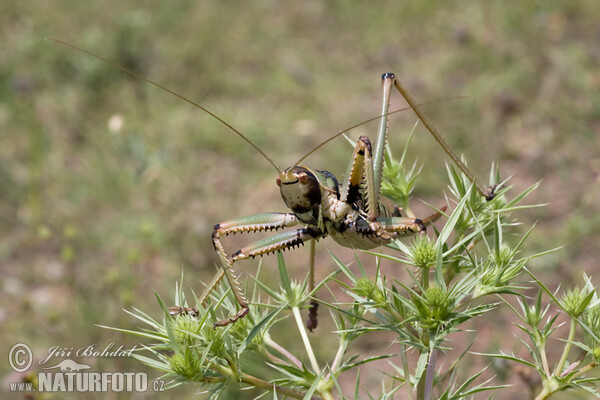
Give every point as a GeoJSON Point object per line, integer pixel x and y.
{"type": "Point", "coordinates": [110, 188]}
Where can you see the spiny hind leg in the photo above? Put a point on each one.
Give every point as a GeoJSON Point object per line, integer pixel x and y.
{"type": "Point", "coordinates": [487, 192]}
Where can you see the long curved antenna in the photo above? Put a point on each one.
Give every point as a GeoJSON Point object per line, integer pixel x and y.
{"type": "Point", "coordinates": [487, 193]}
{"type": "Point", "coordinates": [371, 120]}
{"type": "Point", "coordinates": [130, 72]}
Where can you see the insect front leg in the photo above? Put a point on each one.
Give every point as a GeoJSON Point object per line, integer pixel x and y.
{"type": "Point", "coordinates": [361, 176]}
{"type": "Point", "coordinates": [272, 244]}
{"type": "Point", "coordinates": [253, 223]}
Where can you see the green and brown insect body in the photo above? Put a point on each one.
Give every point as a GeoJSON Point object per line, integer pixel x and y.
{"type": "Point", "coordinates": [350, 213]}
{"type": "Point", "coordinates": [317, 200]}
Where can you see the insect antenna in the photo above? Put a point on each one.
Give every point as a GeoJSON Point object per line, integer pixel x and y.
{"type": "Point", "coordinates": [371, 120]}
{"type": "Point", "coordinates": [138, 76]}
{"type": "Point", "coordinates": [488, 193]}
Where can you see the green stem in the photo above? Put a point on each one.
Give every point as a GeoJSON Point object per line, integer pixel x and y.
{"type": "Point", "coordinates": [544, 358]}
{"type": "Point", "coordinates": [430, 373]}
{"type": "Point", "coordinates": [309, 350]}
{"type": "Point", "coordinates": [567, 350]}
{"type": "Point", "coordinates": [552, 384]}
{"type": "Point", "coordinates": [425, 385]}
{"type": "Point", "coordinates": [271, 343]}
{"type": "Point", "coordinates": [421, 388]}
{"type": "Point", "coordinates": [393, 312]}
{"type": "Point", "coordinates": [585, 369]}
{"type": "Point", "coordinates": [425, 278]}
{"type": "Point", "coordinates": [338, 357]}
{"type": "Point", "coordinates": [406, 369]}
{"type": "Point", "coordinates": [544, 394]}
{"type": "Point", "coordinates": [328, 396]}
{"type": "Point", "coordinates": [211, 379]}
{"type": "Point", "coordinates": [262, 384]}
{"type": "Point", "coordinates": [221, 369]}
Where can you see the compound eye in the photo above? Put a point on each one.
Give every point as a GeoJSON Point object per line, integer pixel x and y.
{"type": "Point", "coordinates": [278, 181]}
{"type": "Point", "coordinates": [303, 177]}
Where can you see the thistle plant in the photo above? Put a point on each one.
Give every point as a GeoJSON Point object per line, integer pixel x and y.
{"type": "Point", "coordinates": [457, 274]}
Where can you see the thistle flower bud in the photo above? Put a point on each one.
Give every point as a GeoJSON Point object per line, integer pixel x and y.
{"type": "Point", "coordinates": [575, 301]}
{"type": "Point", "coordinates": [369, 289]}
{"type": "Point", "coordinates": [184, 328]}
{"type": "Point", "coordinates": [424, 252]}
{"type": "Point", "coordinates": [186, 364]}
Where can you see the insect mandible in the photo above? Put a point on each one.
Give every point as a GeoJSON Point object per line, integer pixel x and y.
{"type": "Point", "coordinates": [349, 211]}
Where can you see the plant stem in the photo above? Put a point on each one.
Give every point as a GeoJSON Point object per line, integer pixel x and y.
{"type": "Point", "coordinates": [421, 388]}
{"type": "Point", "coordinates": [309, 350]}
{"type": "Point", "coordinates": [221, 369]}
{"type": "Point", "coordinates": [566, 351]}
{"type": "Point", "coordinates": [430, 373]}
{"type": "Point", "coordinates": [585, 369]}
{"type": "Point", "coordinates": [544, 359]}
{"type": "Point", "coordinates": [272, 357]}
{"type": "Point", "coordinates": [328, 396]}
{"type": "Point", "coordinates": [271, 343]}
{"type": "Point", "coordinates": [552, 385]}
{"type": "Point", "coordinates": [425, 278]}
{"type": "Point", "coordinates": [338, 357]}
{"type": "Point", "coordinates": [425, 384]}
{"type": "Point", "coordinates": [260, 383]}
{"type": "Point", "coordinates": [544, 394]}
{"type": "Point", "coordinates": [406, 369]}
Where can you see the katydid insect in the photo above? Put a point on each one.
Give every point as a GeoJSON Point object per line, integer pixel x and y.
{"type": "Point", "coordinates": [350, 212]}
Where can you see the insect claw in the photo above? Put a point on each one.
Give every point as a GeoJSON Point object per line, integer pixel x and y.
{"type": "Point", "coordinates": [421, 224]}
{"type": "Point", "coordinates": [490, 192]}
{"type": "Point", "coordinates": [240, 314]}
{"type": "Point", "coordinates": [236, 254]}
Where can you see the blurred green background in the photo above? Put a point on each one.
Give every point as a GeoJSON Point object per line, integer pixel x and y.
{"type": "Point", "coordinates": [110, 188]}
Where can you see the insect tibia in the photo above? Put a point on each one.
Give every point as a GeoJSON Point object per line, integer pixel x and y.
{"type": "Point", "coordinates": [441, 141]}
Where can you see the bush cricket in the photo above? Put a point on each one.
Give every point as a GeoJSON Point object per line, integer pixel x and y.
{"type": "Point", "coordinates": [349, 211]}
